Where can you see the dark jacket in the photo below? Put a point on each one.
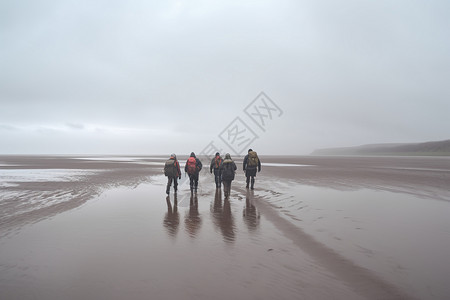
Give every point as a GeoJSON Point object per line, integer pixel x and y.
{"type": "Point", "coordinates": [214, 165]}
{"type": "Point", "coordinates": [177, 165]}
{"type": "Point", "coordinates": [198, 165]}
{"type": "Point", "coordinates": [230, 166]}
{"type": "Point", "coordinates": [246, 167]}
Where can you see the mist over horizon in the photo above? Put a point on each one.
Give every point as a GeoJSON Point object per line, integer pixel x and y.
{"type": "Point", "coordinates": [281, 77]}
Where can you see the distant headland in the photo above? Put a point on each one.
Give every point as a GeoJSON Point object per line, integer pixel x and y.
{"type": "Point", "coordinates": [434, 148]}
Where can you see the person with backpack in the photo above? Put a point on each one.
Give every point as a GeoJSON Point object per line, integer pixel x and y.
{"type": "Point", "coordinates": [172, 171]}
{"type": "Point", "coordinates": [193, 167]}
{"type": "Point", "coordinates": [216, 162]}
{"type": "Point", "coordinates": [227, 169]}
{"type": "Point", "coordinates": [251, 164]}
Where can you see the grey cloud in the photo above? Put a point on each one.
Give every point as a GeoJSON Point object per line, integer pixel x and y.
{"type": "Point", "coordinates": [75, 126]}
{"type": "Point", "coordinates": [8, 127]}
{"type": "Point", "coordinates": [342, 71]}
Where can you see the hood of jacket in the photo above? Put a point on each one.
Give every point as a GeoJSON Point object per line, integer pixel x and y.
{"type": "Point", "coordinates": [227, 158]}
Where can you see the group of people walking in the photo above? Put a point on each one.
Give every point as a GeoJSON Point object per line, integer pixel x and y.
{"type": "Point", "coordinates": [173, 172]}
{"type": "Point", "coordinates": [224, 171]}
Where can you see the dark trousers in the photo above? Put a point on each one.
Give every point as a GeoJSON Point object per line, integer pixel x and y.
{"type": "Point", "coordinates": [250, 173]}
{"type": "Point", "coordinates": [217, 177]}
{"type": "Point", "coordinates": [227, 187]}
{"type": "Point", "coordinates": [169, 184]}
{"type": "Point", "coordinates": [251, 180]}
{"type": "Point", "coordinates": [193, 181]}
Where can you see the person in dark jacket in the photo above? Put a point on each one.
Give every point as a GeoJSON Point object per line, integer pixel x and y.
{"type": "Point", "coordinates": [193, 168]}
{"type": "Point", "coordinates": [173, 173]}
{"type": "Point", "coordinates": [250, 168]}
{"type": "Point", "coordinates": [216, 162]}
{"type": "Point", "coordinates": [228, 169]}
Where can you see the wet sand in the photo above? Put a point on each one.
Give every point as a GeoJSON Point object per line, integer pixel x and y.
{"type": "Point", "coordinates": [314, 228]}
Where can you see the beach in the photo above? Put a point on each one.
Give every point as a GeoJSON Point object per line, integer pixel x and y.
{"type": "Point", "coordinates": [314, 227]}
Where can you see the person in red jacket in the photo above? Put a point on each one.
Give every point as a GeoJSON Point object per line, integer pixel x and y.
{"type": "Point", "coordinates": [193, 167]}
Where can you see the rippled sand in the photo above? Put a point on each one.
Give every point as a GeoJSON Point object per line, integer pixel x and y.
{"type": "Point", "coordinates": [314, 228]}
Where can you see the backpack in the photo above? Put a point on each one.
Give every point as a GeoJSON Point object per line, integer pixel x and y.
{"type": "Point", "coordinates": [170, 168]}
{"type": "Point", "coordinates": [253, 159]}
{"type": "Point", "coordinates": [192, 165]}
{"type": "Point", "coordinates": [228, 171]}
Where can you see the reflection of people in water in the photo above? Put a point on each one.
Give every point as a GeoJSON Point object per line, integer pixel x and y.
{"type": "Point", "coordinates": [251, 215]}
{"type": "Point", "coordinates": [222, 217]}
{"type": "Point", "coordinates": [172, 218]}
{"type": "Point", "coordinates": [217, 207]}
{"type": "Point", "coordinates": [192, 220]}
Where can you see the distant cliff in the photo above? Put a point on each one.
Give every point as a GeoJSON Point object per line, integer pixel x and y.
{"type": "Point", "coordinates": [428, 148]}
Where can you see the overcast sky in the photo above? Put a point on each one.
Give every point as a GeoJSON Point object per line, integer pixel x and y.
{"type": "Point", "coordinates": [155, 77]}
